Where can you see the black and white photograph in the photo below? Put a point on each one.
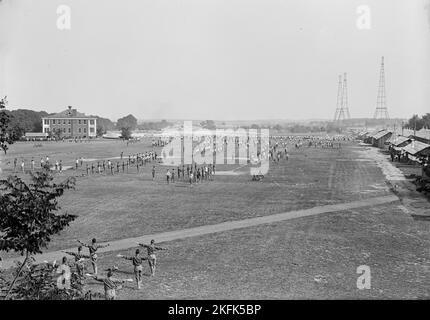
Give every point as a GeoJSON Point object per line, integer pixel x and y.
{"type": "Point", "coordinates": [214, 150]}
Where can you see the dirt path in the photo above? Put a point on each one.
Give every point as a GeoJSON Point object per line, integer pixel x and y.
{"type": "Point", "coordinates": [413, 202]}
{"type": "Point", "coordinates": [220, 227]}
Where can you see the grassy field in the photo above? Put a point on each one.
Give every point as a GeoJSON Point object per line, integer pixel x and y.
{"type": "Point", "coordinates": [313, 257]}
{"type": "Point", "coordinates": [307, 258]}
{"type": "Point", "coordinates": [126, 205]}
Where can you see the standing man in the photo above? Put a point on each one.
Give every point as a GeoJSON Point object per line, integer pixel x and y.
{"type": "Point", "coordinates": [168, 176]}
{"type": "Point", "coordinates": [79, 260]}
{"type": "Point", "coordinates": [152, 259]}
{"type": "Point", "coordinates": [137, 261]}
{"type": "Point", "coordinates": [93, 247]}
{"type": "Point", "coordinates": [110, 283]}
{"type": "Point", "coordinates": [153, 173]}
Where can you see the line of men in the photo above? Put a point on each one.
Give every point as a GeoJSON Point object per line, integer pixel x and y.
{"type": "Point", "coordinates": [137, 160]}
{"type": "Point", "coordinates": [57, 166]}
{"type": "Point", "coordinates": [194, 173]}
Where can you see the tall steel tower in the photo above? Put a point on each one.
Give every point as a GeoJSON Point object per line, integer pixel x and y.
{"type": "Point", "coordinates": [345, 107]}
{"type": "Point", "coordinates": [342, 111]}
{"type": "Point", "coordinates": [381, 111]}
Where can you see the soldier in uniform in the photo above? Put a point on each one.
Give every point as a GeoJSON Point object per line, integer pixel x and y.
{"type": "Point", "coordinates": [93, 247]}
{"type": "Point", "coordinates": [111, 284]}
{"type": "Point", "coordinates": [137, 261]}
{"type": "Point", "coordinates": [152, 259]}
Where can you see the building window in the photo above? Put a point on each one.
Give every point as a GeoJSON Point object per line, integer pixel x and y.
{"type": "Point", "coordinates": [69, 130]}
{"type": "Point", "coordinates": [46, 122]}
{"type": "Point", "coordinates": [79, 121]}
{"type": "Point", "coordinates": [64, 130]}
{"type": "Point", "coordinates": [92, 130]}
{"type": "Point", "coordinates": [85, 121]}
{"type": "Point", "coordinates": [64, 121]}
{"type": "Point", "coordinates": [92, 122]}
{"type": "Point", "coordinates": [85, 130]}
{"type": "Point", "coordinates": [53, 121]}
{"type": "Point", "coordinates": [79, 130]}
{"type": "Point", "coordinates": [70, 121]}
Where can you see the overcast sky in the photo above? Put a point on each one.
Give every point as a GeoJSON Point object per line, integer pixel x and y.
{"type": "Point", "coordinates": [214, 59]}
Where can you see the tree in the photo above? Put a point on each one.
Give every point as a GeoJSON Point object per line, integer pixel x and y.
{"type": "Point", "coordinates": [29, 120]}
{"type": "Point", "coordinates": [104, 125]}
{"type": "Point", "coordinates": [154, 125]}
{"type": "Point", "coordinates": [426, 120]}
{"type": "Point", "coordinates": [28, 216]}
{"type": "Point", "coordinates": [277, 127]}
{"type": "Point", "coordinates": [100, 131]}
{"type": "Point", "coordinates": [415, 122]}
{"type": "Point", "coordinates": [16, 132]}
{"type": "Point", "coordinates": [5, 139]}
{"type": "Point", "coordinates": [58, 133]}
{"type": "Point", "coordinates": [126, 133]}
{"type": "Point", "coordinates": [127, 122]}
{"type": "Point", "coordinates": [208, 124]}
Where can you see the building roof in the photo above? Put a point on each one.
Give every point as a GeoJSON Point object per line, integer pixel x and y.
{"type": "Point", "coordinates": [372, 134]}
{"type": "Point", "coordinates": [416, 147]}
{"type": "Point", "coordinates": [381, 134]}
{"type": "Point", "coordinates": [69, 113]}
{"type": "Point", "coordinates": [363, 133]}
{"type": "Point", "coordinates": [423, 133]}
{"type": "Point", "coordinates": [397, 140]}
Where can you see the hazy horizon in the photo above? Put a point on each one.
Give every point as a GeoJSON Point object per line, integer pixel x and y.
{"type": "Point", "coordinates": [214, 59]}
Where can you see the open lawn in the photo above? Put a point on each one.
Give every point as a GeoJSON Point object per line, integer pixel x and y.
{"type": "Point", "coordinates": [306, 258]}
{"type": "Point", "coordinates": [309, 257]}
{"type": "Point", "coordinates": [128, 205]}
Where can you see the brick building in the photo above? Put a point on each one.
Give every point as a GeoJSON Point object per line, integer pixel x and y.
{"type": "Point", "coordinates": [71, 123]}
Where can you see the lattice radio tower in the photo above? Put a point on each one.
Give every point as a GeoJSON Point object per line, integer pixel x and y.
{"type": "Point", "coordinates": [342, 110]}
{"type": "Point", "coordinates": [381, 111]}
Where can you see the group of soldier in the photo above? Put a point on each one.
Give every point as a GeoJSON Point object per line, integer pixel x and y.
{"type": "Point", "coordinates": [111, 284]}
{"type": "Point", "coordinates": [124, 164]}
{"type": "Point", "coordinates": [191, 173]}
{"type": "Point", "coordinates": [57, 165]}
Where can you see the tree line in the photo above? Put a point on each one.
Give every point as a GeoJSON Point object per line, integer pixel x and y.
{"type": "Point", "coordinates": [416, 122]}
